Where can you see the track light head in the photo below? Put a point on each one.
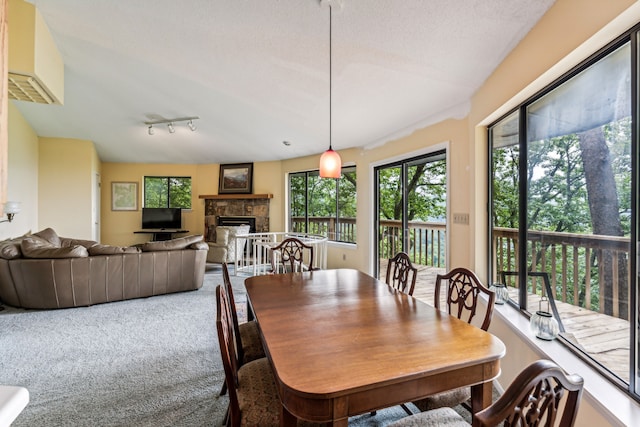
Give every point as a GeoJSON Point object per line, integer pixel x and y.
{"type": "Point", "coordinates": [170, 123]}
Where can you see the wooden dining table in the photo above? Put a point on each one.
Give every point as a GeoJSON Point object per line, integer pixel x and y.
{"type": "Point", "coordinates": [342, 343]}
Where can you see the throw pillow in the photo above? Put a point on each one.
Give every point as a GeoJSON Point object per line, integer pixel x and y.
{"type": "Point", "coordinates": [49, 235]}
{"type": "Point", "coordinates": [171, 245]}
{"type": "Point", "coordinates": [222, 236]}
{"type": "Point", "coordinates": [10, 249]}
{"type": "Point", "coordinates": [35, 247]}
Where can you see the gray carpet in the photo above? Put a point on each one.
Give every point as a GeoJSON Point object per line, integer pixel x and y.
{"type": "Point", "coordinates": [146, 362]}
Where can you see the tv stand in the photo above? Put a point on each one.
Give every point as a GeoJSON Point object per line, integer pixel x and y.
{"type": "Point", "coordinates": [160, 234]}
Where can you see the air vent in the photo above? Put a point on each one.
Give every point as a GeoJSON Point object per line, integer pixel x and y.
{"type": "Point", "coordinates": [27, 88]}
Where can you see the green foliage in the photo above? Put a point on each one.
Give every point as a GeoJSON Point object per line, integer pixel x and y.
{"type": "Point", "coordinates": [167, 192]}
{"type": "Point", "coordinates": [426, 190]}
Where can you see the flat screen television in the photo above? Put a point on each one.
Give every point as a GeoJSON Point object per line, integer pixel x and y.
{"type": "Point", "coordinates": [158, 218]}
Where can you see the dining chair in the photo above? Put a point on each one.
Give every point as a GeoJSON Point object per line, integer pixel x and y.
{"type": "Point", "coordinates": [289, 256]}
{"type": "Point", "coordinates": [247, 337]}
{"type": "Point", "coordinates": [252, 388]}
{"type": "Point", "coordinates": [253, 394]}
{"type": "Point", "coordinates": [462, 289]}
{"type": "Point", "coordinates": [401, 274]}
{"type": "Point", "coordinates": [534, 398]}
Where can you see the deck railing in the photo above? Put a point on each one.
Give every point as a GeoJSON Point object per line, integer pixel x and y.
{"type": "Point", "coordinates": [588, 271]}
{"type": "Point", "coordinates": [427, 240]}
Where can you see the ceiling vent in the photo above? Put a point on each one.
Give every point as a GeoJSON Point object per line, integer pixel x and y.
{"type": "Point", "coordinates": [27, 88]}
{"type": "Point", "coordinates": [36, 70]}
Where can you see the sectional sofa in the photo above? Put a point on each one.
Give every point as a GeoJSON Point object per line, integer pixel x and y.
{"type": "Point", "coordinates": [45, 271]}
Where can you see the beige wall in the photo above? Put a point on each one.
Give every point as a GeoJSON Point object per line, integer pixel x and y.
{"type": "Point", "coordinates": [22, 183]}
{"type": "Point", "coordinates": [66, 170]}
{"type": "Point", "coordinates": [117, 227]}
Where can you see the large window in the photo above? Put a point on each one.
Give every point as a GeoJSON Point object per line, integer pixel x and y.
{"type": "Point", "coordinates": [564, 170]}
{"type": "Point", "coordinates": [323, 206]}
{"type": "Point", "coordinates": [167, 192]}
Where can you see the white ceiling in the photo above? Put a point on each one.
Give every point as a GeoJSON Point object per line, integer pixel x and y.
{"type": "Point", "coordinates": [256, 72]}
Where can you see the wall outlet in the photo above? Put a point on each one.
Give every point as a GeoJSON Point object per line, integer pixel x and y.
{"type": "Point", "coordinates": [461, 218]}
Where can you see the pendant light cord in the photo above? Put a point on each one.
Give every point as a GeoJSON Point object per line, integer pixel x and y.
{"type": "Point", "coordinates": [330, 69]}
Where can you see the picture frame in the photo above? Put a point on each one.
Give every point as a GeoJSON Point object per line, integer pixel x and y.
{"type": "Point", "coordinates": [124, 196]}
{"type": "Point", "coordinates": [236, 178]}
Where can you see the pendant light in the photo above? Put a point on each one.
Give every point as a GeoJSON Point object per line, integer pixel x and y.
{"type": "Point", "coordinates": [330, 162]}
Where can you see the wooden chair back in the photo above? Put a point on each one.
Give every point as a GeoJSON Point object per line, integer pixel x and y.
{"type": "Point", "coordinates": [226, 280]}
{"type": "Point", "coordinates": [535, 398]}
{"type": "Point", "coordinates": [463, 288]}
{"type": "Point", "coordinates": [289, 256]}
{"type": "Point", "coordinates": [226, 339]}
{"type": "Point", "coordinates": [401, 274]}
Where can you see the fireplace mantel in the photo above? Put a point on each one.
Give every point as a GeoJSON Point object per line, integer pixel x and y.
{"type": "Point", "coordinates": [236, 196]}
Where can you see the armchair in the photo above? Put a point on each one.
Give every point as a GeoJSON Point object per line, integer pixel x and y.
{"type": "Point", "coordinates": [228, 247]}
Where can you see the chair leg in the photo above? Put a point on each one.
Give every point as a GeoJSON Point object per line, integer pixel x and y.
{"type": "Point", "coordinates": [406, 409]}
{"type": "Point", "coordinates": [226, 421]}
{"type": "Point", "coordinates": [223, 389]}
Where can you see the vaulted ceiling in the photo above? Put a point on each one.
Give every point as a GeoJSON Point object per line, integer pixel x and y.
{"type": "Point", "coordinates": [256, 72]}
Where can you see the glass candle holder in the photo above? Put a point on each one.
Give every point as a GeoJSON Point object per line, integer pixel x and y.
{"type": "Point", "coordinates": [543, 324]}
{"type": "Point", "coordinates": [501, 291]}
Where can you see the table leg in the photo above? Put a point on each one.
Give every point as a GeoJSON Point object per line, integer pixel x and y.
{"type": "Point", "coordinates": [481, 396]}
{"type": "Point", "coordinates": [286, 418]}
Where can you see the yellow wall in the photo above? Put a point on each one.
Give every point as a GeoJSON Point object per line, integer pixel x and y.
{"type": "Point", "coordinates": [65, 191]}
{"type": "Point", "coordinates": [22, 175]}
{"type": "Point", "coordinates": [117, 227]}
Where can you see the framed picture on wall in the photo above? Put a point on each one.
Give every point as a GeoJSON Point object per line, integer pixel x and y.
{"type": "Point", "coordinates": [124, 196]}
{"type": "Point", "coordinates": [236, 178]}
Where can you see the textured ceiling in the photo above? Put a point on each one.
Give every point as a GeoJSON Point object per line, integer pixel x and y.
{"type": "Point", "coordinates": [256, 72]}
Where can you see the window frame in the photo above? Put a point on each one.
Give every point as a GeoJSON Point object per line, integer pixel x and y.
{"type": "Point", "coordinates": [315, 173]}
{"type": "Point", "coordinates": [631, 36]}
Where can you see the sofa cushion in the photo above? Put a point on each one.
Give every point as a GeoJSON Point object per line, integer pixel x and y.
{"type": "Point", "coordinates": [222, 236]}
{"type": "Point", "coordinates": [10, 249]}
{"type": "Point", "coordinates": [66, 242]}
{"type": "Point", "coordinates": [35, 247]}
{"type": "Point", "coordinates": [171, 245]}
{"type": "Point", "coordinates": [49, 235]}
{"type": "Point", "coordinates": [112, 250]}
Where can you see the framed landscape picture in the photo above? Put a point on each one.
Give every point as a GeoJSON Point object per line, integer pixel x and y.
{"type": "Point", "coordinates": [236, 178]}
{"type": "Point", "coordinates": [124, 196]}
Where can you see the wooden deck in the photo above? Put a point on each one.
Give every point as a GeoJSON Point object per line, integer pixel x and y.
{"type": "Point", "coordinates": [604, 338]}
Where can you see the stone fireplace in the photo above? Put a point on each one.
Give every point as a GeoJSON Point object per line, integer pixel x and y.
{"type": "Point", "coordinates": [255, 207]}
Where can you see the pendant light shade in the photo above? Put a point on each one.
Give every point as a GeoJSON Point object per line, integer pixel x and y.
{"type": "Point", "coordinates": [330, 162]}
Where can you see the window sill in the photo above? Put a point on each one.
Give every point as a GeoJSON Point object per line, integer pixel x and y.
{"type": "Point", "coordinates": [614, 405]}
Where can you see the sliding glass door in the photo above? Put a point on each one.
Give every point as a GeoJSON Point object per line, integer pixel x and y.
{"type": "Point", "coordinates": [410, 210]}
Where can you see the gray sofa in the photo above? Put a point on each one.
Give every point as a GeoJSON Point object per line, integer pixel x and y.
{"type": "Point", "coordinates": [45, 271]}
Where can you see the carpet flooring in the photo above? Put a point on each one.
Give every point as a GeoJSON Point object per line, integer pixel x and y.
{"type": "Point", "coordinates": [147, 362]}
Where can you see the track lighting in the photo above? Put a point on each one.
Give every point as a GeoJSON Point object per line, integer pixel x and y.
{"type": "Point", "coordinates": [171, 123]}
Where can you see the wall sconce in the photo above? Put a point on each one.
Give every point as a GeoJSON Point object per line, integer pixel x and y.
{"type": "Point", "coordinates": [10, 209]}
{"type": "Point", "coordinates": [170, 124]}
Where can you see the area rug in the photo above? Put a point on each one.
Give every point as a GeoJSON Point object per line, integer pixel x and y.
{"type": "Point", "coordinates": [147, 362]}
